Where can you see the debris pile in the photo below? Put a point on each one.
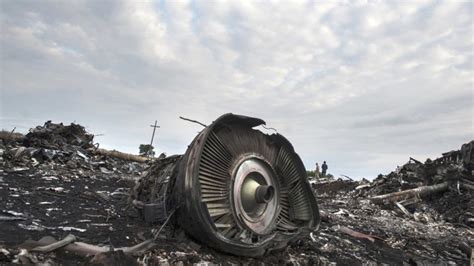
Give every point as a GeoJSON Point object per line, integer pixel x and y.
{"type": "Point", "coordinates": [60, 196]}
{"type": "Point", "coordinates": [440, 190]}
{"type": "Point", "coordinates": [53, 182]}
{"type": "Point", "coordinates": [57, 136]}
{"type": "Point", "coordinates": [421, 213]}
{"type": "Point", "coordinates": [56, 149]}
{"type": "Point", "coordinates": [332, 187]}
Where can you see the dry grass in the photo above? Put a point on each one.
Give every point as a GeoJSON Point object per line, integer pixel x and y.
{"type": "Point", "coordinates": [9, 136]}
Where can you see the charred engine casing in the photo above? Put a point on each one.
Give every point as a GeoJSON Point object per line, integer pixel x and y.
{"type": "Point", "coordinates": [235, 189]}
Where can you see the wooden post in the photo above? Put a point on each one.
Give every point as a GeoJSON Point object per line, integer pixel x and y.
{"type": "Point", "coordinates": [153, 135]}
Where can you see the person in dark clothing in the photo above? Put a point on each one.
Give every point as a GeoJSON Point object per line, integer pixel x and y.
{"type": "Point", "coordinates": [324, 168]}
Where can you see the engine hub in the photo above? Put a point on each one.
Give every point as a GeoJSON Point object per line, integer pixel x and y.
{"type": "Point", "coordinates": [255, 195]}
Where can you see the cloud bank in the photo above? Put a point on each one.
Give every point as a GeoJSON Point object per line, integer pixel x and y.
{"type": "Point", "coordinates": [362, 85]}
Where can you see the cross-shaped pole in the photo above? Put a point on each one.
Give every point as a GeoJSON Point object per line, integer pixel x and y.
{"type": "Point", "coordinates": [153, 135]}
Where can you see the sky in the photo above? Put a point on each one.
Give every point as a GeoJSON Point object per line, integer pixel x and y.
{"type": "Point", "coordinates": [363, 85]}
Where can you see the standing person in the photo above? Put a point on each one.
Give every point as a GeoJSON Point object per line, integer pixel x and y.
{"type": "Point", "coordinates": [324, 168]}
{"type": "Point", "coordinates": [316, 172]}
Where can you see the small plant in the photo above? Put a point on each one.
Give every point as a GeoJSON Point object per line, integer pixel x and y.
{"type": "Point", "coordinates": [312, 174]}
{"type": "Point", "coordinates": [146, 150]}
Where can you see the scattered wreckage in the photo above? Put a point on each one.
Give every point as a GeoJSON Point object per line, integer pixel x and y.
{"type": "Point", "coordinates": [236, 189]}
{"type": "Point", "coordinates": [448, 177]}
{"type": "Point", "coordinates": [55, 183]}
{"type": "Point", "coordinates": [424, 209]}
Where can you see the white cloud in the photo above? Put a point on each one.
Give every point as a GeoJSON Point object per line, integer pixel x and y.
{"type": "Point", "coordinates": [359, 84]}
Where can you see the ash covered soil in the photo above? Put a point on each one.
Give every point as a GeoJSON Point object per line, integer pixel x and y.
{"type": "Point", "coordinates": [53, 183]}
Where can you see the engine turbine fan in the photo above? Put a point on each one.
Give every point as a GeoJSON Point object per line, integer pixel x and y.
{"type": "Point", "coordinates": [235, 189]}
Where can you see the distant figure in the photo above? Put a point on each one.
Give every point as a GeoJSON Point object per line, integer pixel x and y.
{"type": "Point", "coordinates": [324, 168]}
{"type": "Point", "coordinates": [316, 172]}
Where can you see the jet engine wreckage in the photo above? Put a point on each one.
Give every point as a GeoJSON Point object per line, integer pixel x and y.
{"type": "Point", "coordinates": [236, 189]}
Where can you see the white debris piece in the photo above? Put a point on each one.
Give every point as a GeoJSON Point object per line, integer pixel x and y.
{"type": "Point", "coordinates": [362, 186]}
{"type": "Point", "coordinates": [48, 210]}
{"type": "Point", "coordinates": [96, 224]}
{"type": "Point", "coordinates": [14, 213]}
{"type": "Point", "coordinates": [34, 162]}
{"type": "Point", "coordinates": [31, 227]}
{"type": "Point", "coordinates": [49, 178]}
{"type": "Point", "coordinates": [20, 169]}
{"type": "Point", "coordinates": [4, 251]}
{"type": "Point", "coordinates": [105, 170]}
{"type": "Point", "coordinates": [82, 155]}
{"type": "Point", "coordinates": [70, 228]}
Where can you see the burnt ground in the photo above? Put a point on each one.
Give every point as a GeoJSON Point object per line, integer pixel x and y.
{"type": "Point", "coordinates": [94, 209]}
{"type": "Point", "coordinates": [57, 206]}
{"type": "Point", "coordinates": [88, 208]}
